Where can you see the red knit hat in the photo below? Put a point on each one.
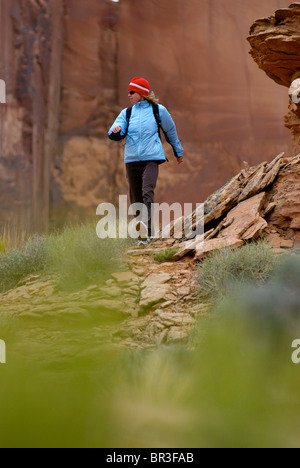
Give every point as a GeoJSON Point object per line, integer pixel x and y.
{"type": "Point", "coordinates": [140, 86]}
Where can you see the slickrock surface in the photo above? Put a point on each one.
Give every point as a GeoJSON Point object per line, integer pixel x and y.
{"type": "Point", "coordinates": [147, 305]}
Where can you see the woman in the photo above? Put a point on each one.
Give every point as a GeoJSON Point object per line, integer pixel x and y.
{"type": "Point", "coordinates": [144, 151]}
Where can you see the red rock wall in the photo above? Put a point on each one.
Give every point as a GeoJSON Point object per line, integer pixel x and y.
{"type": "Point", "coordinates": [89, 168]}
{"type": "Point", "coordinates": [196, 58]}
{"type": "Point", "coordinates": [195, 55]}
{"type": "Point", "coordinates": [30, 51]}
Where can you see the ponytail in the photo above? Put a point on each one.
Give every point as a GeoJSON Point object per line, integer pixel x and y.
{"type": "Point", "coordinates": [152, 98]}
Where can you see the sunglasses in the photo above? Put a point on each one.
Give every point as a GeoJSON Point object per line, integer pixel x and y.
{"type": "Point", "coordinates": [131, 93]}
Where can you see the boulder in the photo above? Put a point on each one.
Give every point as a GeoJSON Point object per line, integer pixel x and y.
{"type": "Point", "coordinates": [275, 47]}
{"type": "Point", "coordinates": [263, 199]}
{"type": "Point", "coordinates": [246, 219]}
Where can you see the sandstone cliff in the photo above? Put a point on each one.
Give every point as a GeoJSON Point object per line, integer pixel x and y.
{"type": "Point", "coordinates": [30, 64]}
{"type": "Point", "coordinates": [67, 65]}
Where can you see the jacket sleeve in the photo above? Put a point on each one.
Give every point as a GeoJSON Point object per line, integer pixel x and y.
{"type": "Point", "coordinates": [170, 131]}
{"type": "Point", "coordinates": [121, 122]}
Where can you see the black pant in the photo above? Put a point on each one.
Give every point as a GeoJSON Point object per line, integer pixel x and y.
{"type": "Point", "coordinates": [142, 178]}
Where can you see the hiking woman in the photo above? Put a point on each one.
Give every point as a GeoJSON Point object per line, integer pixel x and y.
{"type": "Point", "coordinates": [144, 152]}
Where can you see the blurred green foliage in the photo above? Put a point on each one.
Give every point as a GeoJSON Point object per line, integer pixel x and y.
{"type": "Point", "coordinates": [66, 384]}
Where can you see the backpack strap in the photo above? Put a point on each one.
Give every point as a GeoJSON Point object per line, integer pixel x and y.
{"type": "Point", "coordinates": [118, 136]}
{"type": "Point", "coordinates": [157, 117]}
{"type": "Point", "coordinates": [158, 121]}
{"type": "Point", "coordinates": [128, 115]}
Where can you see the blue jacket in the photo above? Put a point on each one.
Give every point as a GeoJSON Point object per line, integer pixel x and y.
{"type": "Point", "coordinates": [143, 142]}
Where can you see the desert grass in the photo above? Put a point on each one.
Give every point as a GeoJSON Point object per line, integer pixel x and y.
{"type": "Point", "coordinates": [75, 254]}
{"type": "Point", "coordinates": [80, 258]}
{"type": "Point", "coordinates": [17, 263]}
{"type": "Point", "coordinates": [164, 255]}
{"type": "Point", "coordinates": [218, 273]}
{"type": "Point", "coordinates": [12, 237]}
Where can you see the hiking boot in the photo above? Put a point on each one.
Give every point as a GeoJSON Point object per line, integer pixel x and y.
{"type": "Point", "coordinates": [144, 242]}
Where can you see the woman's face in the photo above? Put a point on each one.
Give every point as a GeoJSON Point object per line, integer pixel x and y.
{"type": "Point", "coordinates": [134, 98]}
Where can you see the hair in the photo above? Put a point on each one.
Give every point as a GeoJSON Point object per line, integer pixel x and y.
{"type": "Point", "coordinates": [152, 98]}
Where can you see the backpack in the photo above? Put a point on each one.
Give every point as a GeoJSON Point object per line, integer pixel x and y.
{"type": "Point", "coordinates": [118, 137]}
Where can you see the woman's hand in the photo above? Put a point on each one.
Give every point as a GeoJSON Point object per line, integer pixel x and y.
{"type": "Point", "coordinates": [117, 129]}
{"type": "Point", "coordinates": [180, 160]}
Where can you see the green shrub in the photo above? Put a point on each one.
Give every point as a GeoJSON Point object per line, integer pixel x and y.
{"type": "Point", "coordinates": [274, 304]}
{"type": "Point", "coordinates": [164, 255]}
{"type": "Point", "coordinates": [79, 257]}
{"type": "Point", "coordinates": [16, 264]}
{"type": "Point", "coordinates": [76, 255]}
{"type": "Point", "coordinates": [217, 273]}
